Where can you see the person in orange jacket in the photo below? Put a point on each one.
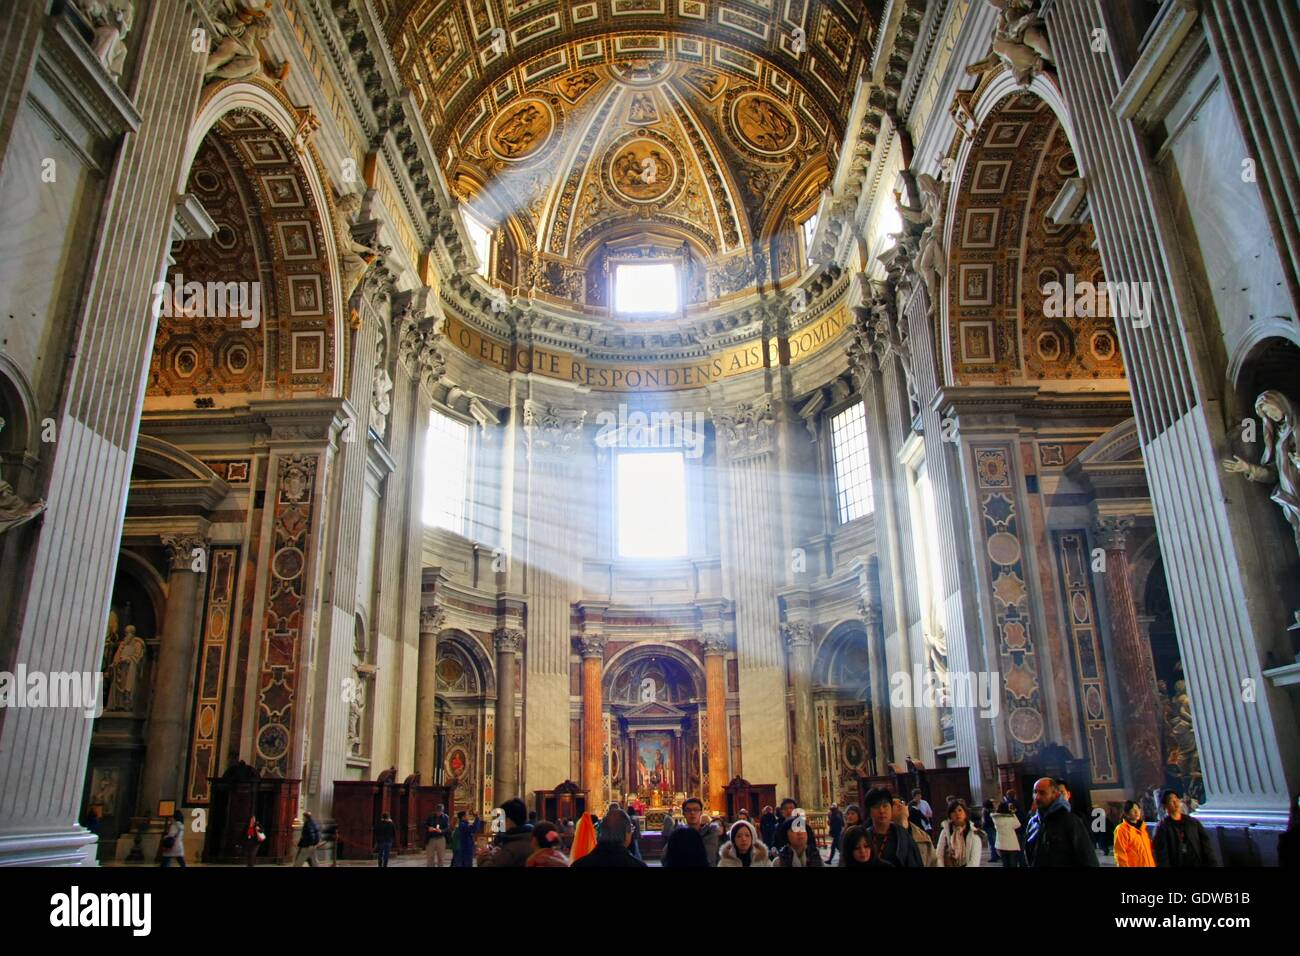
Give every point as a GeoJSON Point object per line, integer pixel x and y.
{"type": "Point", "coordinates": [1132, 842]}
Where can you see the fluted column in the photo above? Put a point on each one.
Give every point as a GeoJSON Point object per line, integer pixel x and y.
{"type": "Point", "coordinates": [798, 640]}
{"type": "Point", "coordinates": [426, 693]}
{"type": "Point", "coordinates": [1134, 665]}
{"type": "Point", "coordinates": [880, 729]}
{"type": "Point", "coordinates": [505, 775]}
{"type": "Point", "coordinates": [593, 723]}
{"type": "Point", "coordinates": [715, 702]}
{"type": "Point", "coordinates": [169, 708]}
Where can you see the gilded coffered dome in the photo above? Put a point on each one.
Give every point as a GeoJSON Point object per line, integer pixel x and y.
{"type": "Point", "coordinates": [587, 134]}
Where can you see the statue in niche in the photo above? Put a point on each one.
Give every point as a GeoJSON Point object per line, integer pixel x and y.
{"type": "Point", "coordinates": [15, 511]}
{"type": "Point", "coordinates": [1280, 461]}
{"type": "Point", "coordinates": [128, 660]}
{"type": "Point", "coordinates": [111, 21]}
{"type": "Point", "coordinates": [1019, 41]}
{"type": "Point", "coordinates": [112, 638]}
{"type": "Point", "coordinates": [241, 26]}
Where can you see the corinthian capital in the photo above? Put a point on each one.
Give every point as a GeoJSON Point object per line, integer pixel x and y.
{"type": "Point", "coordinates": [508, 640]}
{"type": "Point", "coordinates": [869, 612]}
{"type": "Point", "coordinates": [797, 634]}
{"type": "Point", "coordinates": [1113, 531]}
{"type": "Point", "coordinates": [432, 617]}
{"type": "Point", "coordinates": [747, 428]}
{"type": "Point", "coordinates": [592, 645]}
{"type": "Point", "coordinates": [715, 644]}
{"type": "Point", "coordinates": [552, 427]}
{"type": "Point", "coordinates": [181, 550]}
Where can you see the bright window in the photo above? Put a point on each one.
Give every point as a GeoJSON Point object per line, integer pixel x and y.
{"type": "Point", "coordinates": [651, 508]}
{"type": "Point", "coordinates": [852, 463]}
{"type": "Point", "coordinates": [642, 288]}
{"type": "Point", "coordinates": [809, 227]}
{"type": "Point", "coordinates": [481, 238]}
{"type": "Point", "coordinates": [446, 473]}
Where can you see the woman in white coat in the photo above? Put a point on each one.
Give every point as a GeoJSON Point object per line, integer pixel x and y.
{"type": "Point", "coordinates": [744, 847]}
{"type": "Point", "coordinates": [959, 843]}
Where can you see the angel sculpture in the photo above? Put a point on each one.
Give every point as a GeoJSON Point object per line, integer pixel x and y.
{"type": "Point", "coordinates": [929, 262]}
{"type": "Point", "coordinates": [1281, 459]}
{"type": "Point", "coordinates": [1019, 41]}
{"type": "Point", "coordinates": [242, 25]}
{"type": "Point", "coordinates": [354, 257]}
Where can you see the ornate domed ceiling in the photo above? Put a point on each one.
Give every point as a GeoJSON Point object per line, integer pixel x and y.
{"type": "Point", "coordinates": [588, 130]}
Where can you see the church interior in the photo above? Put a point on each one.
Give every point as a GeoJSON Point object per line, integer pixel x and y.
{"type": "Point", "coordinates": [436, 402]}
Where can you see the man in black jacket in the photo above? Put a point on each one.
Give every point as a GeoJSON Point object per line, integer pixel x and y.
{"type": "Point", "coordinates": [612, 843]}
{"type": "Point", "coordinates": [1180, 839]}
{"type": "Point", "coordinates": [307, 840]}
{"type": "Point", "coordinates": [515, 845]}
{"type": "Point", "coordinates": [1060, 839]}
{"type": "Point", "coordinates": [891, 844]}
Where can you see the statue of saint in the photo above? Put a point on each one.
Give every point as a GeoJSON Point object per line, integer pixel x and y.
{"type": "Point", "coordinates": [127, 662]}
{"type": "Point", "coordinates": [1281, 459]}
{"type": "Point", "coordinates": [1019, 41]}
{"type": "Point", "coordinates": [15, 511]}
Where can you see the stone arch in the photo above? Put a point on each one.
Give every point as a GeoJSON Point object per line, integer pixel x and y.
{"type": "Point", "coordinates": [838, 650]}
{"type": "Point", "coordinates": [630, 656]}
{"type": "Point", "coordinates": [468, 648]}
{"type": "Point", "coordinates": [250, 165]}
{"type": "Point", "coordinates": [1002, 248]}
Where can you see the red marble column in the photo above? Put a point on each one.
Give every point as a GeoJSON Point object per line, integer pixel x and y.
{"type": "Point", "coordinates": [1134, 665]}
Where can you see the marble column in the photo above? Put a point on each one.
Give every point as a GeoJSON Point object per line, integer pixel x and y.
{"type": "Point", "coordinates": [505, 771]}
{"type": "Point", "coordinates": [1133, 663]}
{"type": "Point", "coordinates": [593, 722]}
{"type": "Point", "coordinates": [798, 640]}
{"type": "Point", "coordinates": [715, 703]}
{"type": "Point", "coordinates": [65, 576]}
{"type": "Point", "coordinates": [426, 694]}
{"type": "Point", "coordinates": [169, 709]}
{"type": "Point", "coordinates": [880, 725]}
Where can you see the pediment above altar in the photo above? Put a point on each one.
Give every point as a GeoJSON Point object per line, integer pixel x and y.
{"type": "Point", "coordinates": [653, 710]}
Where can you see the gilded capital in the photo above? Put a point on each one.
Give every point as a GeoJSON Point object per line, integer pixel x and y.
{"type": "Point", "coordinates": [592, 645]}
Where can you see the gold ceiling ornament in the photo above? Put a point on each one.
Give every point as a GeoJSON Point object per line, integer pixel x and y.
{"type": "Point", "coordinates": [762, 123]}
{"type": "Point", "coordinates": [523, 131]}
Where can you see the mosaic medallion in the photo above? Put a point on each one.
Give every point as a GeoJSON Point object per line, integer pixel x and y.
{"type": "Point", "coordinates": [643, 168]}
{"type": "Point", "coordinates": [763, 124]}
{"type": "Point", "coordinates": [522, 131]}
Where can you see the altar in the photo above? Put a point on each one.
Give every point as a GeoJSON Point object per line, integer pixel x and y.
{"type": "Point", "coordinates": [654, 749]}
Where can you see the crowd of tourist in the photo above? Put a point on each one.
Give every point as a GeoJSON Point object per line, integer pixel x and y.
{"type": "Point", "coordinates": [885, 831]}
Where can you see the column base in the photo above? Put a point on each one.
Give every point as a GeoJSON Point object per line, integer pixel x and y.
{"type": "Point", "coordinates": [69, 846]}
{"type": "Point", "coordinates": [1244, 837]}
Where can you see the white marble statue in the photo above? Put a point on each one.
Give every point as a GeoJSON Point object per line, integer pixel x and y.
{"type": "Point", "coordinates": [111, 20]}
{"type": "Point", "coordinates": [15, 511]}
{"type": "Point", "coordinates": [1280, 461]}
{"type": "Point", "coordinates": [1019, 41]}
{"type": "Point", "coordinates": [930, 263]}
{"type": "Point", "coordinates": [354, 257]}
{"type": "Point", "coordinates": [127, 663]}
{"type": "Point", "coordinates": [241, 25]}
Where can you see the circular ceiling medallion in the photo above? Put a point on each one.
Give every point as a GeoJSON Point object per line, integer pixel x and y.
{"type": "Point", "coordinates": [643, 168]}
{"type": "Point", "coordinates": [186, 362]}
{"type": "Point", "coordinates": [522, 130]}
{"type": "Point", "coordinates": [763, 124]}
{"type": "Point", "coordinates": [238, 358]}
